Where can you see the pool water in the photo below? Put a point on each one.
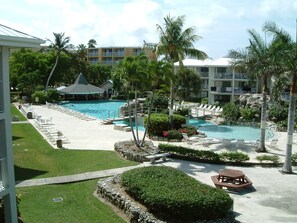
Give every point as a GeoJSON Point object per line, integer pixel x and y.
{"type": "Point", "coordinates": [234, 132]}
{"type": "Point", "coordinates": [110, 109]}
{"type": "Point", "coordinates": [98, 109]}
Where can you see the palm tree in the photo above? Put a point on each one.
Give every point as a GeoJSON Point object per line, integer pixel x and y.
{"type": "Point", "coordinates": [175, 44]}
{"type": "Point", "coordinates": [286, 57]}
{"type": "Point", "coordinates": [59, 45]}
{"type": "Point", "coordinates": [92, 43]}
{"type": "Point", "coordinates": [257, 60]}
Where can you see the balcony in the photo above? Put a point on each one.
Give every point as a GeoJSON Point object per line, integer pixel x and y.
{"type": "Point", "coordinates": [119, 54]}
{"type": "Point", "coordinates": [223, 76]}
{"type": "Point", "coordinates": [93, 54]}
{"type": "Point", "coordinates": [239, 76]}
{"type": "Point", "coordinates": [204, 74]}
{"type": "Point", "coordinates": [227, 90]}
{"type": "Point", "coordinates": [107, 54]}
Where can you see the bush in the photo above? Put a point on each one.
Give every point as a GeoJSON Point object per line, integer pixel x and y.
{"type": "Point", "coordinates": [182, 111]}
{"type": "Point", "coordinates": [204, 101]}
{"type": "Point", "coordinates": [160, 102]}
{"type": "Point", "coordinates": [274, 159]}
{"type": "Point", "coordinates": [53, 96]}
{"type": "Point", "coordinates": [41, 95]}
{"type": "Point", "coordinates": [200, 154]}
{"type": "Point", "coordinates": [231, 112]}
{"type": "Point", "coordinates": [118, 97]}
{"type": "Point", "coordinates": [171, 194]}
{"type": "Point", "coordinates": [175, 134]}
{"type": "Point", "coordinates": [234, 156]}
{"type": "Point", "coordinates": [249, 114]}
{"type": "Point", "coordinates": [190, 130]}
{"type": "Point", "coordinates": [160, 123]}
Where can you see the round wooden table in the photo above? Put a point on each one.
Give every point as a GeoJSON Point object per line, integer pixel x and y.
{"type": "Point", "coordinates": [235, 176]}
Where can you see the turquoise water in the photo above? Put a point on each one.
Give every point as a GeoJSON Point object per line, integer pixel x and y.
{"type": "Point", "coordinates": [234, 132]}
{"type": "Point", "coordinates": [110, 109]}
{"type": "Point", "coordinates": [127, 122]}
{"type": "Point", "coordinates": [98, 109]}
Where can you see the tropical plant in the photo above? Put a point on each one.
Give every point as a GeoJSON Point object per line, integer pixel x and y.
{"type": "Point", "coordinates": [231, 112]}
{"type": "Point", "coordinates": [59, 45]}
{"type": "Point", "coordinates": [285, 57]}
{"type": "Point", "coordinates": [257, 60]}
{"type": "Point", "coordinates": [92, 43]}
{"type": "Point", "coordinates": [175, 44]}
{"type": "Point", "coordinates": [188, 84]}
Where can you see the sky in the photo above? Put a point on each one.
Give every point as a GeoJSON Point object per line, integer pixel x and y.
{"type": "Point", "coordinates": [221, 24]}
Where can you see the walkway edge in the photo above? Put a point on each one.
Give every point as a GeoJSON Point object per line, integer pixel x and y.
{"type": "Point", "coordinates": [74, 177]}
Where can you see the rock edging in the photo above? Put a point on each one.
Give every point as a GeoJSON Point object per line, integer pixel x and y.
{"type": "Point", "coordinates": [107, 190]}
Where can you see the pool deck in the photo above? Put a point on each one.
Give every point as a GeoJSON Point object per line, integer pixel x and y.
{"type": "Point", "coordinates": [270, 200]}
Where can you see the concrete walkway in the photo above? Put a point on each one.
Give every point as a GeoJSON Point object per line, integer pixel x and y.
{"type": "Point", "coordinates": [74, 177]}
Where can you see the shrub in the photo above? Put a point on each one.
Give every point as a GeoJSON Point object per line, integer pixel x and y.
{"type": "Point", "coordinates": [53, 95]}
{"type": "Point", "coordinates": [231, 112]}
{"type": "Point", "coordinates": [160, 102]}
{"type": "Point", "coordinates": [171, 194]}
{"type": "Point", "coordinates": [182, 111]}
{"type": "Point", "coordinates": [190, 130]}
{"type": "Point", "coordinates": [175, 134]}
{"type": "Point", "coordinates": [41, 95]}
{"type": "Point", "coordinates": [118, 97]}
{"type": "Point", "coordinates": [204, 101]}
{"type": "Point", "coordinates": [234, 156]}
{"type": "Point", "coordinates": [160, 123]}
{"type": "Point", "coordinates": [274, 159]}
{"type": "Point", "coordinates": [200, 154]}
{"type": "Point", "coordinates": [250, 113]}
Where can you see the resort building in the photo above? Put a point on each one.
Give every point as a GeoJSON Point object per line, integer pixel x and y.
{"type": "Point", "coordinates": [219, 80]}
{"type": "Point", "coordinates": [112, 55]}
{"type": "Point", "coordinates": [9, 39]}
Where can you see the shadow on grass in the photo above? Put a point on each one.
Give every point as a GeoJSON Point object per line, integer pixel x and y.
{"type": "Point", "coordinates": [16, 137]}
{"type": "Point", "coordinates": [26, 173]}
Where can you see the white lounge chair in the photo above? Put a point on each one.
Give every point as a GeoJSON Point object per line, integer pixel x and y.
{"type": "Point", "coordinates": [273, 144]}
{"type": "Point", "coordinates": [190, 140]}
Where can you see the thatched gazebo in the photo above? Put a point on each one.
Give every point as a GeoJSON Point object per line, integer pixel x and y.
{"type": "Point", "coordinates": [81, 87]}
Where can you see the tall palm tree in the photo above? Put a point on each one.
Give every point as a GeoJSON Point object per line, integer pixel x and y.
{"type": "Point", "coordinates": [92, 43]}
{"type": "Point", "coordinates": [59, 45]}
{"type": "Point", "coordinates": [175, 44]}
{"type": "Point", "coordinates": [257, 60]}
{"type": "Point", "coordinates": [286, 56]}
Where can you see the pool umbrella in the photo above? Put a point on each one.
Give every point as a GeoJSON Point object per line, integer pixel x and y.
{"type": "Point", "coordinates": [81, 87]}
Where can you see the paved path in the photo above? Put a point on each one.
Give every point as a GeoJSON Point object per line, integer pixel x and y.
{"type": "Point", "coordinates": [74, 177]}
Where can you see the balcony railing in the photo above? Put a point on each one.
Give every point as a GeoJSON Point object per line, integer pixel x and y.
{"type": "Point", "coordinates": [93, 54]}
{"type": "Point", "coordinates": [236, 90]}
{"type": "Point", "coordinates": [223, 76]}
{"type": "Point", "coordinates": [107, 54]}
{"type": "Point", "coordinates": [240, 76]}
{"type": "Point", "coordinates": [204, 74]}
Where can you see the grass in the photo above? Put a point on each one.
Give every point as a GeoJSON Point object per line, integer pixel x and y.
{"type": "Point", "coordinates": [35, 158]}
{"type": "Point", "coordinates": [14, 111]}
{"type": "Point", "coordinates": [78, 205]}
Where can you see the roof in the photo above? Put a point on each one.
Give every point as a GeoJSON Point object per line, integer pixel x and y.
{"type": "Point", "coordinates": [106, 82]}
{"type": "Point", "coordinates": [208, 62]}
{"type": "Point", "coordinates": [14, 38]}
{"type": "Point", "coordinates": [81, 86]}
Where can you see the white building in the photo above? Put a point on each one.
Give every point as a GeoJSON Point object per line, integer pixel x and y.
{"type": "Point", "coordinates": [9, 39]}
{"type": "Point", "coordinates": [219, 80]}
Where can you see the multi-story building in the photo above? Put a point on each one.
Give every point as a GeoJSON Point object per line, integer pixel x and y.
{"type": "Point", "coordinates": [219, 80]}
{"type": "Point", "coordinates": [112, 55]}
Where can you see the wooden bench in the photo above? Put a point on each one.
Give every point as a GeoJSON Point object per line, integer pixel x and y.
{"type": "Point", "coordinates": [229, 185]}
{"type": "Point", "coordinates": [153, 157]}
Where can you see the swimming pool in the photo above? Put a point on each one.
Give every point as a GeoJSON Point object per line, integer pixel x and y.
{"type": "Point", "coordinates": [110, 109]}
{"type": "Point", "coordinates": [234, 132]}
{"type": "Point", "coordinates": [98, 109]}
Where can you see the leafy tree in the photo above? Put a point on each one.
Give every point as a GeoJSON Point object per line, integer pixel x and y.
{"type": "Point", "coordinates": [59, 45]}
{"type": "Point", "coordinates": [188, 83]}
{"type": "Point", "coordinates": [82, 51]}
{"type": "Point", "coordinates": [175, 44]}
{"type": "Point", "coordinates": [92, 43]}
{"type": "Point", "coordinates": [286, 57]}
{"type": "Point", "coordinates": [257, 60]}
{"type": "Point", "coordinates": [98, 73]}
{"type": "Point", "coordinates": [231, 112]}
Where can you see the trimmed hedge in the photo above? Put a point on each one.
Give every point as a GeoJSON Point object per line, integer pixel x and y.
{"type": "Point", "coordinates": [171, 194]}
{"type": "Point", "coordinates": [180, 150]}
{"type": "Point", "coordinates": [160, 123]}
{"type": "Point", "coordinates": [234, 156]}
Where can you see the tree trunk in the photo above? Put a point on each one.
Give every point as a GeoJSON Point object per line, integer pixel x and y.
{"type": "Point", "coordinates": [171, 97]}
{"type": "Point", "coordinates": [263, 118]}
{"type": "Point", "coordinates": [131, 124]}
{"type": "Point", "coordinates": [51, 73]}
{"type": "Point", "coordinates": [287, 167]}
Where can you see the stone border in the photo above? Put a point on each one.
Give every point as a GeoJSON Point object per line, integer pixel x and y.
{"type": "Point", "coordinates": [108, 191]}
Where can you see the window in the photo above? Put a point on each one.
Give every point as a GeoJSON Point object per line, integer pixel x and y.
{"type": "Point", "coordinates": [221, 69]}
{"type": "Point", "coordinates": [204, 69]}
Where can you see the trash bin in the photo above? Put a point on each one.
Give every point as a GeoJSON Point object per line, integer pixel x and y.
{"type": "Point", "coordinates": [59, 143]}
{"type": "Point", "coordinates": [29, 115]}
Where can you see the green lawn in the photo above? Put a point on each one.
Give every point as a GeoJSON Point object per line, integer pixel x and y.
{"type": "Point", "coordinates": [14, 111]}
{"type": "Point", "coordinates": [35, 158]}
{"type": "Point", "coordinates": [78, 205]}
